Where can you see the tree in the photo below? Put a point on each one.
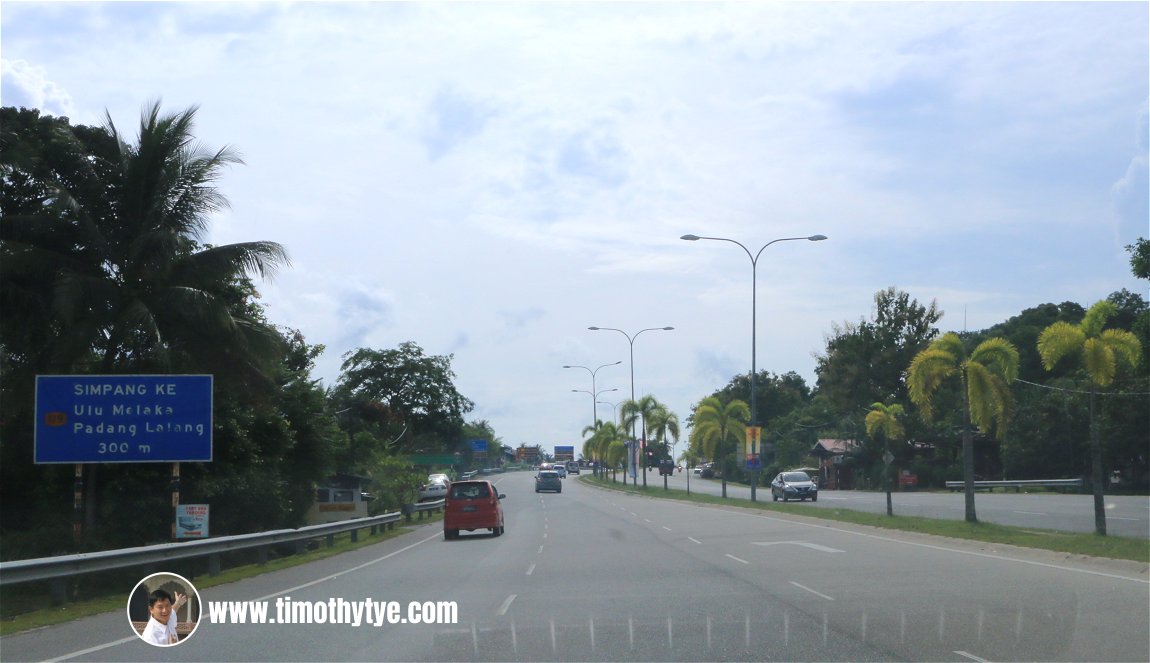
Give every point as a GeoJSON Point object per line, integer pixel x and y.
{"type": "Point", "coordinates": [405, 391]}
{"type": "Point", "coordinates": [103, 261]}
{"type": "Point", "coordinates": [864, 361]}
{"type": "Point", "coordinates": [641, 411]}
{"type": "Point", "coordinates": [883, 421]}
{"type": "Point", "coordinates": [719, 429]}
{"type": "Point", "coordinates": [663, 424]}
{"type": "Point", "coordinates": [984, 377]}
{"type": "Point", "coordinates": [1140, 258]}
{"type": "Point", "coordinates": [1101, 351]}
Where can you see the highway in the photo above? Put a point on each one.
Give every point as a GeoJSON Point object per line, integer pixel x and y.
{"type": "Point", "coordinates": [597, 575]}
{"type": "Point", "coordinates": [1126, 515]}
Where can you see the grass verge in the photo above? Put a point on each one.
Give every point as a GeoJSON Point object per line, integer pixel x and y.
{"type": "Point", "coordinates": [35, 610]}
{"type": "Point", "coordinates": [1092, 545]}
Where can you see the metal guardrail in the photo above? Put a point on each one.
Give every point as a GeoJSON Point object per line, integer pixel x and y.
{"type": "Point", "coordinates": [1019, 484]}
{"type": "Point", "coordinates": [63, 566]}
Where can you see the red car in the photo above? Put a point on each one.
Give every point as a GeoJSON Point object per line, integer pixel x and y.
{"type": "Point", "coordinates": [472, 505]}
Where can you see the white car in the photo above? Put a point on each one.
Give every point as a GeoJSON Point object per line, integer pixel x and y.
{"type": "Point", "coordinates": [561, 469]}
{"type": "Point", "coordinates": [435, 488]}
{"type": "Point", "coordinates": [572, 467]}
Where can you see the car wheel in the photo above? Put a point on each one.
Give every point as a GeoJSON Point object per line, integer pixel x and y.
{"type": "Point", "coordinates": [774, 496]}
{"type": "Point", "coordinates": [559, 491]}
{"type": "Point", "coordinates": [450, 534]}
{"type": "Point", "coordinates": [814, 498]}
{"type": "Point", "coordinates": [785, 498]}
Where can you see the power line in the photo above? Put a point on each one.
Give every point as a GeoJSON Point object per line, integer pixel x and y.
{"type": "Point", "coordinates": [1081, 392]}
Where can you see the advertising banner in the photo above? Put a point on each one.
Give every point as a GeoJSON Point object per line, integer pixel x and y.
{"type": "Point", "coordinates": [192, 521]}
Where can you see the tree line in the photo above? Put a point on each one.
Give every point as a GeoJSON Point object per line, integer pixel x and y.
{"type": "Point", "coordinates": [104, 270]}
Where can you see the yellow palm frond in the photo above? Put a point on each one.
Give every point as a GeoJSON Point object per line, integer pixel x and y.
{"type": "Point", "coordinates": [1057, 341]}
{"type": "Point", "coordinates": [927, 371]}
{"type": "Point", "coordinates": [999, 356]}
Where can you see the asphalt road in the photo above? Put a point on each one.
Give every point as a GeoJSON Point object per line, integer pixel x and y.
{"type": "Point", "coordinates": [596, 575]}
{"type": "Point", "coordinates": [1126, 515]}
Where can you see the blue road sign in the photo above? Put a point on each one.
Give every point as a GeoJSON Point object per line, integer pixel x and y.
{"type": "Point", "coordinates": [123, 418]}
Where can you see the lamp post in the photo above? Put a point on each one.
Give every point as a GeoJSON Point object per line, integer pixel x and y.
{"type": "Point", "coordinates": [594, 407]}
{"type": "Point", "coordinates": [614, 415]}
{"type": "Point", "coordinates": [631, 340]}
{"type": "Point", "coordinates": [754, 287]}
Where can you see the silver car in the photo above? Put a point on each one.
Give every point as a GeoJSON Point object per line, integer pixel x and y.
{"type": "Point", "coordinates": [794, 485]}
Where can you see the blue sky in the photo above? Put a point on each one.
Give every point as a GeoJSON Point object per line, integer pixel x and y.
{"type": "Point", "coordinates": [489, 180]}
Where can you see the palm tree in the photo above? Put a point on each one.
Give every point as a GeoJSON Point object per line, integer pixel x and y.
{"type": "Point", "coordinates": [643, 409]}
{"type": "Point", "coordinates": [602, 435]}
{"type": "Point", "coordinates": [883, 420]}
{"type": "Point", "coordinates": [985, 378]}
{"type": "Point", "coordinates": [719, 429]}
{"type": "Point", "coordinates": [136, 290]}
{"type": "Point", "coordinates": [1101, 351]}
{"type": "Point", "coordinates": [663, 424]}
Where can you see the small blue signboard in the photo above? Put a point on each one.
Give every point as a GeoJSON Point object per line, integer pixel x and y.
{"type": "Point", "coordinates": [754, 462]}
{"type": "Point", "coordinates": [123, 418]}
{"type": "Point", "coordinates": [479, 447]}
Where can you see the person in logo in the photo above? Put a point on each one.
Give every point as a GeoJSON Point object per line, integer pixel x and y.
{"type": "Point", "coordinates": [161, 628]}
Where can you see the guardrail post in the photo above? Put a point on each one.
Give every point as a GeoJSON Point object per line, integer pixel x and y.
{"type": "Point", "coordinates": [354, 536]}
{"type": "Point", "coordinates": [300, 547]}
{"type": "Point", "coordinates": [407, 510]}
{"type": "Point", "coordinates": [262, 555]}
{"type": "Point", "coordinates": [330, 540]}
{"type": "Point", "coordinates": [59, 588]}
{"type": "Point", "coordinates": [214, 565]}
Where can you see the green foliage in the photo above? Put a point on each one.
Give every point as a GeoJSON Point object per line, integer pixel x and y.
{"type": "Point", "coordinates": [1140, 258]}
{"type": "Point", "coordinates": [404, 398]}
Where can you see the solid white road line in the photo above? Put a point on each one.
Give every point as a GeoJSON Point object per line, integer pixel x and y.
{"type": "Point", "coordinates": [693, 539]}
{"type": "Point", "coordinates": [506, 604]}
{"type": "Point", "coordinates": [738, 560]}
{"type": "Point", "coordinates": [829, 598]}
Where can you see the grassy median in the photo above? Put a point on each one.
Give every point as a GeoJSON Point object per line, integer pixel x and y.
{"type": "Point", "coordinates": [1092, 545]}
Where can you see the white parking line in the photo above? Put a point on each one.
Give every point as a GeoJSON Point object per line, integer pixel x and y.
{"type": "Point", "coordinates": [971, 657]}
{"type": "Point", "coordinates": [829, 598]}
{"type": "Point", "coordinates": [738, 560]}
{"type": "Point", "coordinates": [531, 569]}
{"type": "Point", "coordinates": [694, 540]}
{"type": "Point", "coordinates": [667, 528]}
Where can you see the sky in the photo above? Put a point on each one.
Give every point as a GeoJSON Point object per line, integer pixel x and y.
{"type": "Point", "coordinates": [489, 180]}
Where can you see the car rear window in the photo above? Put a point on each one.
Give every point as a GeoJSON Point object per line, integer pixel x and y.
{"type": "Point", "coordinates": [548, 475]}
{"type": "Point", "coordinates": [464, 491]}
{"type": "Point", "coordinates": [796, 476]}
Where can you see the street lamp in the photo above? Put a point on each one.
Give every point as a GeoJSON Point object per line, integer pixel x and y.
{"type": "Point", "coordinates": [631, 340]}
{"type": "Point", "coordinates": [754, 287]}
{"type": "Point", "coordinates": [594, 408]}
{"type": "Point", "coordinates": [614, 416]}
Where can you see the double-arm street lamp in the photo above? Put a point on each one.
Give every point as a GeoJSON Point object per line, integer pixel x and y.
{"type": "Point", "coordinates": [631, 340]}
{"type": "Point", "coordinates": [594, 394]}
{"type": "Point", "coordinates": [754, 286]}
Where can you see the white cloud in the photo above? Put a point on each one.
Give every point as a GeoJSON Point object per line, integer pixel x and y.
{"type": "Point", "coordinates": [27, 85]}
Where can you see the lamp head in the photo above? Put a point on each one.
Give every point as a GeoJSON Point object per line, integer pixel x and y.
{"type": "Point", "coordinates": [593, 328]}
{"type": "Point", "coordinates": [690, 238]}
{"type": "Point", "coordinates": [668, 328]}
{"type": "Point", "coordinates": [817, 238]}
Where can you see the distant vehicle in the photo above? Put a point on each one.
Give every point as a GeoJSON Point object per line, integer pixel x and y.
{"type": "Point", "coordinates": [572, 467]}
{"type": "Point", "coordinates": [435, 488]}
{"type": "Point", "coordinates": [666, 468]}
{"type": "Point", "coordinates": [561, 469]}
{"type": "Point", "coordinates": [548, 480]}
{"type": "Point", "coordinates": [472, 505]}
{"type": "Point", "coordinates": [707, 471]}
{"type": "Point", "coordinates": [794, 485]}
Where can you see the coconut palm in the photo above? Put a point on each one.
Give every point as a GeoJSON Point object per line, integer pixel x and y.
{"type": "Point", "coordinates": [641, 411]}
{"type": "Point", "coordinates": [663, 424]}
{"type": "Point", "coordinates": [719, 429]}
{"type": "Point", "coordinates": [883, 421]}
{"type": "Point", "coordinates": [158, 289]}
{"type": "Point", "coordinates": [985, 376]}
{"type": "Point", "coordinates": [1101, 351]}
